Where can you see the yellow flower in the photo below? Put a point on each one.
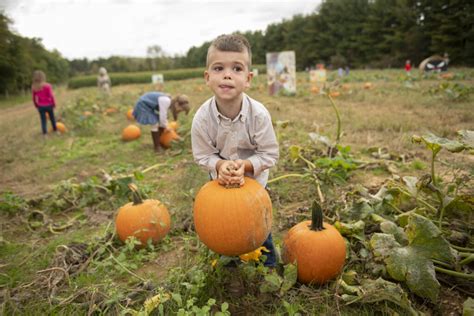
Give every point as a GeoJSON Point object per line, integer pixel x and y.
{"type": "Point", "coordinates": [214, 263]}
{"type": "Point", "coordinates": [253, 255]}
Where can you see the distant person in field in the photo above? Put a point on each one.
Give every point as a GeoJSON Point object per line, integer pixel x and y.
{"type": "Point", "coordinates": [408, 66]}
{"type": "Point", "coordinates": [103, 81]}
{"type": "Point", "coordinates": [152, 109]}
{"type": "Point", "coordinates": [43, 99]}
{"type": "Point", "coordinates": [232, 134]}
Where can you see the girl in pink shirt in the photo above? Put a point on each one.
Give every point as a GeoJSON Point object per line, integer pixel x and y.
{"type": "Point", "coordinates": [43, 99]}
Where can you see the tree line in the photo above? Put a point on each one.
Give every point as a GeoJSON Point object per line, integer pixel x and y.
{"type": "Point", "coordinates": [356, 33]}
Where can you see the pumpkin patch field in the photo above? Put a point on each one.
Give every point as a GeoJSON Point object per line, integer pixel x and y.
{"type": "Point", "coordinates": [371, 205]}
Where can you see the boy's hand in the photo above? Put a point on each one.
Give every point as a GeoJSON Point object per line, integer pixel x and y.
{"type": "Point", "coordinates": [225, 173]}
{"type": "Point", "coordinates": [238, 173]}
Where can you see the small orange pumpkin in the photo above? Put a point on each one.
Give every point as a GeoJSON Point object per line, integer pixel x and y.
{"type": "Point", "coordinates": [130, 115]}
{"type": "Point", "coordinates": [334, 94]}
{"type": "Point", "coordinates": [131, 132]}
{"type": "Point", "coordinates": [233, 221]}
{"type": "Point", "coordinates": [368, 85]}
{"type": "Point", "coordinates": [315, 89]}
{"type": "Point", "coordinates": [61, 127]}
{"type": "Point", "coordinates": [143, 219]}
{"type": "Point", "coordinates": [317, 248]}
{"type": "Point", "coordinates": [87, 113]}
{"type": "Point", "coordinates": [110, 110]}
{"type": "Point", "coordinates": [167, 137]}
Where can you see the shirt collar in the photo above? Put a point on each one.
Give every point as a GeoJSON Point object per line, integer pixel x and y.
{"type": "Point", "coordinates": [242, 114]}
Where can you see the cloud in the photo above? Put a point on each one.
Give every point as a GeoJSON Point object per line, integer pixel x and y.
{"type": "Point", "coordinates": [101, 28]}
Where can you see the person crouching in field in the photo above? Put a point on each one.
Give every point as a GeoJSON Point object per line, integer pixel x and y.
{"type": "Point", "coordinates": [103, 81]}
{"type": "Point", "coordinates": [232, 134]}
{"type": "Point", "coordinates": [43, 99]}
{"type": "Point", "coordinates": [152, 109]}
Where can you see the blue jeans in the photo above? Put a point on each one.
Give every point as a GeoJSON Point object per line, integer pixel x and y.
{"type": "Point", "coordinates": [272, 254]}
{"type": "Point", "coordinates": [42, 111]}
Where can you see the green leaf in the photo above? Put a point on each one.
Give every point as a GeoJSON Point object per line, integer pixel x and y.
{"type": "Point", "coordinates": [468, 307]}
{"type": "Point", "coordinates": [372, 291]}
{"type": "Point", "coordinates": [410, 183]}
{"type": "Point", "coordinates": [138, 175]}
{"type": "Point", "coordinates": [177, 298]}
{"type": "Point", "coordinates": [435, 143]}
{"type": "Point", "coordinates": [294, 152]}
{"type": "Point", "coordinates": [289, 277]}
{"type": "Point", "coordinates": [412, 264]}
{"type": "Point", "coordinates": [355, 230]}
{"type": "Point", "coordinates": [467, 138]}
{"type": "Point", "coordinates": [321, 139]}
{"type": "Point", "coordinates": [389, 227]}
{"type": "Point", "coordinates": [271, 284]}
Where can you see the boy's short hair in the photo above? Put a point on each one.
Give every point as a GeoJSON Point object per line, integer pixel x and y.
{"type": "Point", "coordinates": [231, 43]}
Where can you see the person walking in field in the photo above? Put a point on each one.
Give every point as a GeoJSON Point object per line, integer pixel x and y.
{"type": "Point", "coordinates": [43, 99]}
{"type": "Point", "coordinates": [152, 109]}
{"type": "Point", "coordinates": [103, 81]}
{"type": "Point", "coordinates": [408, 66]}
{"type": "Point", "coordinates": [232, 134]}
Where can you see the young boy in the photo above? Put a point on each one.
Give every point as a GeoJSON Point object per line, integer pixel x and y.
{"type": "Point", "coordinates": [232, 134]}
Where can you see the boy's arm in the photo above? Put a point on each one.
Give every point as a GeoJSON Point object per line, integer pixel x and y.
{"type": "Point", "coordinates": [267, 152]}
{"type": "Point", "coordinates": [204, 152]}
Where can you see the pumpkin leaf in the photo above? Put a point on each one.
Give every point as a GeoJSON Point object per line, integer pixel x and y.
{"type": "Point", "coordinates": [138, 175]}
{"type": "Point", "coordinates": [468, 307]}
{"type": "Point", "coordinates": [272, 283]}
{"type": "Point", "coordinates": [294, 152]}
{"type": "Point", "coordinates": [436, 143]}
{"type": "Point", "coordinates": [410, 183]}
{"type": "Point", "coordinates": [412, 264]}
{"type": "Point", "coordinates": [389, 227]}
{"type": "Point", "coordinates": [317, 138]}
{"type": "Point", "coordinates": [355, 230]}
{"type": "Point", "coordinates": [289, 277]}
{"type": "Point", "coordinates": [379, 290]}
{"type": "Point", "coordinates": [467, 138]}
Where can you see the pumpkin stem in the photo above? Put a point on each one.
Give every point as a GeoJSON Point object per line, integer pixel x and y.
{"type": "Point", "coordinates": [137, 198]}
{"type": "Point", "coordinates": [316, 217]}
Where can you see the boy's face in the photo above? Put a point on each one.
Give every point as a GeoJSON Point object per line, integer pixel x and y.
{"type": "Point", "coordinates": [228, 74]}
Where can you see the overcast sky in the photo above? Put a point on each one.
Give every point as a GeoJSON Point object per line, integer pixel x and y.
{"type": "Point", "coordinates": [102, 28]}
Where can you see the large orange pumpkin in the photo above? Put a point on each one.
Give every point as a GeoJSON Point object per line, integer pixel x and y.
{"type": "Point", "coordinates": [131, 132]}
{"type": "Point", "coordinates": [317, 248]}
{"type": "Point", "coordinates": [167, 137]}
{"type": "Point", "coordinates": [233, 221]}
{"type": "Point", "coordinates": [143, 219]}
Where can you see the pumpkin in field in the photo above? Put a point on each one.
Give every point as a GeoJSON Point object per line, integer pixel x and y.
{"type": "Point", "coordinates": [131, 132]}
{"type": "Point", "coordinates": [346, 87]}
{"type": "Point", "coordinates": [173, 125]}
{"type": "Point", "coordinates": [317, 248]}
{"type": "Point", "coordinates": [87, 113]}
{"type": "Point", "coordinates": [130, 115]}
{"type": "Point", "coordinates": [144, 219]}
{"type": "Point", "coordinates": [110, 110]}
{"type": "Point", "coordinates": [61, 127]}
{"type": "Point", "coordinates": [334, 94]}
{"type": "Point", "coordinates": [368, 85]}
{"type": "Point", "coordinates": [167, 137]}
{"type": "Point", "coordinates": [233, 221]}
{"type": "Point", "coordinates": [315, 89]}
